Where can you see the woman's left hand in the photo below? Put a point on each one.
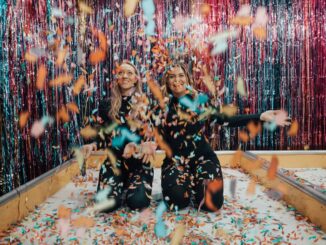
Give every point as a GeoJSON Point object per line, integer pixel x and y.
{"type": "Point", "coordinates": [280, 117]}
{"type": "Point", "coordinates": [147, 151]}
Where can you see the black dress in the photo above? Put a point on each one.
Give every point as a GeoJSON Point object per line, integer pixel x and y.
{"type": "Point", "coordinates": [130, 174]}
{"type": "Point", "coordinates": [194, 163]}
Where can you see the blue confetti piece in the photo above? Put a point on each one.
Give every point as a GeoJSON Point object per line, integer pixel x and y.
{"type": "Point", "coordinates": [150, 28]}
{"type": "Point", "coordinates": [159, 211]}
{"type": "Point", "coordinates": [160, 229]}
{"type": "Point", "coordinates": [125, 134]}
{"type": "Point", "coordinates": [148, 8]}
{"type": "Point", "coordinates": [117, 142]}
{"type": "Point", "coordinates": [270, 126]}
{"type": "Point", "coordinates": [94, 111]}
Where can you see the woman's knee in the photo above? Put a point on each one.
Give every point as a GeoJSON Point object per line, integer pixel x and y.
{"type": "Point", "coordinates": [177, 196]}
{"type": "Point", "coordinates": [138, 198]}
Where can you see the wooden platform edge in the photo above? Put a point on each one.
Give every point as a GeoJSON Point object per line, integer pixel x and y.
{"type": "Point", "coordinates": [306, 200]}
{"type": "Point", "coordinates": [17, 204]}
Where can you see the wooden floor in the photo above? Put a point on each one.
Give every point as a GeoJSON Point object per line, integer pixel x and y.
{"type": "Point", "coordinates": [258, 218]}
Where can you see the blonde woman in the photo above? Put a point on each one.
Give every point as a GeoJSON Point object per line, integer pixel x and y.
{"type": "Point", "coordinates": [131, 171]}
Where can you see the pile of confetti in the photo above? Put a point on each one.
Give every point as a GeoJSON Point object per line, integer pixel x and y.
{"type": "Point", "coordinates": [245, 218]}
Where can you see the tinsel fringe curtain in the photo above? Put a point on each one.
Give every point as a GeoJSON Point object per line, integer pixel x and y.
{"type": "Point", "coordinates": [285, 71]}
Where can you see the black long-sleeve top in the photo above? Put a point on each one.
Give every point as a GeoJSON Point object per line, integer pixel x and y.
{"type": "Point", "coordinates": [184, 135]}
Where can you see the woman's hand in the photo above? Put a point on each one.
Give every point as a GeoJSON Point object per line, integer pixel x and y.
{"type": "Point", "coordinates": [130, 150]}
{"type": "Point", "coordinates": [87, 149]}
{"type": "Point", "coordinates": [280, 117]}
{"type": "Point", "coordinates": [147, 151]}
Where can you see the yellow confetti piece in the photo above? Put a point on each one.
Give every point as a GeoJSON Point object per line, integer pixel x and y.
{"type": "Point", "coordinates": [30, 57]}
{"type": "Point", "coordinates": [272, 170]}
{"type": "Point", "coordinates": [61, 55]}
{"type": "Point", "coordinates": [23, 118]}
{"type": "Point", "coordinates": [178, 234]}
{"type": "Point", "coordinates": [63, 114]}
{"type": "Point", "coordinates": [254, 129]}
{"type": "Point", "coordinates": [97, 56]}
{"type": "Point", "coordinates": [63, 212]}
{"type": "Point", "coordinates": [83, 221]}
{"type": "Point", "coordinates": [156, 91]}
{"type": "Point", "coordinates": [241, 20]}
{"type": "Point", "coordinates": [61, 80]}
{"type": "Point", "coordinates": [129, 7]}
{"type": "Point", "coordinates": [243, 136]}
{"type": "Point", "coordinates": [205, 9]}
{"type": "Point", "coordinates": [241, 88]}
{"type": "Point", "coordinates": [293, 129]}
{"type": "Point", "coordinates": [73, 107]}
{"type": "Point", "coordinates": [88, 132]}
{"type": "Point", "coordinates": [41, 76]}
{"type": "Point", "coordinates": [113, 162]}
{"type": "Point", "coordinates": [83, 7]}
{"type": "Point", "coordinates": [79, 157]}
{"type": "Point", "coordinates": [251, 189]}
{"type": "Point", "coordinates": [260, 33]}
{"type": "Point", "coordinates": [79, 85]}
{"type": "Point", "coordinates": [102, 39]}
{"type": "Point", "coordinates": [229, 110]}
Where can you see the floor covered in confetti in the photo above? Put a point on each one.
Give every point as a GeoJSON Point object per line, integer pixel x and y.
{"type": "Point", "coordinates": [244, 219]}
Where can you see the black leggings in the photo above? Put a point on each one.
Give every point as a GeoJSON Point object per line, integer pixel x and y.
{"type": "Point", "coordinates": [135, 178]}
{"type": "Point", "coordinates": [201, 177]}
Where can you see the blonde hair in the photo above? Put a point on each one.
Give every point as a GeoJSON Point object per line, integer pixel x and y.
{"type": "Point", "coordinates": [116, 96]}
{"type": "Point", "coordinates": [165, 79]}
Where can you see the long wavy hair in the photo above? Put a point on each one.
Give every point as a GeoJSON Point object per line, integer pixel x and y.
{"type": "Point", "coordinates": [116, 96]}
{"type": "Point", "coordinates": [165, 79]}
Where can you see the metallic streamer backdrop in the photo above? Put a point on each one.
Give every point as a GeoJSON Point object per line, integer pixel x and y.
{"type": "Point", "coordinates": [287, 71]}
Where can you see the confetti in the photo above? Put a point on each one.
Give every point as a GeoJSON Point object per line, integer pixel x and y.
{"type": "Point", "coordinates": [63, 115]}
{"type": "Point", "coordinates": [204, 9]}
{"type": "Point", "coordinates": [261, 18]}
{"type": "Point", "coordinates": [30, 57]}
{"type": "Point", "coordinates": [78, 85]}
{"type": "Point", "coordinates": [229, 110]}
{"type": "Point", "coordinates": [61, 80]}
{"type": "Point", "coordinates": [254, 129]}
{"type": "Point", "coordinates": [241, 88]}
{"type": "Point", "coordinates": [178, 234]}
{"type": "Point", "coordinates": [83, 221]}
{"type": "Point", "coordinates": [72, 107]}
{"type": "Point", "coordinates": [23, 118]}
{"type": "Point", "coordinates": [272, 170]}
{"type": "Point", "coordinates": [125, 134]}
{"type": "Point", "coordinates": [37, 129]}
{"type": "Point", "coordinates": [233, 184]}
{"type": "Point", "coordinates": [129, 7]}
{"type": "Point", "coordinates": [97, 56]}
{"type": "Point", "coordinates": [260, 33]}
{"type": "Point", "coordinates": [251, 189]}
{"type": "Point", "coordinates": [243, 136]}
{"type": "Point", "coordinates": [41, 76]}
{"type": "Point", "coordinates": [88, 132]}
{"type": "Point", "coordinates": [156, 91]}
{"type": "Point", "coordinates": [83, 7]}
{"type": "Point", "coordinates": [61, 55]}
{"type": "Point", "coordinates": [293, 129]}
{"type": "Point", "coordinates": [63, 212]}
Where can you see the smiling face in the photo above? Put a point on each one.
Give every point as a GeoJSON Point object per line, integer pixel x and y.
{"type": "Point", "coordinates": [127, 79]}
{"type": "Point", "coordinates": [177, 81]}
